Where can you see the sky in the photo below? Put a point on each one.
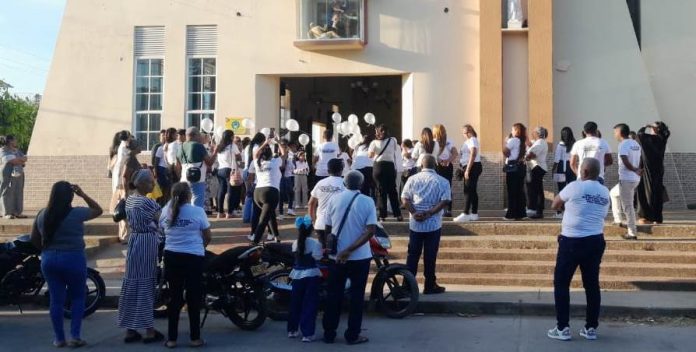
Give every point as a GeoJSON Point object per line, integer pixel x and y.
{"type": "Point", "coordinates": [28, 32]}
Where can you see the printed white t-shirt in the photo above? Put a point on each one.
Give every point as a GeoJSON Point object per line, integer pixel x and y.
{"type": "Point", "coordinates": [323, 191]}
{"type": "Point", "coordinates": [268, 174]}
{"type": "Point", "coordinates": [326, 152]}
{"type": "Point", "coordinates": [631, 149]}
{"type": "Point", "coordinates": [591, 147]}
{"type": "Point", "coordinates": [184, 236]}
{"type": "Point", "coordinates": [586, 206]}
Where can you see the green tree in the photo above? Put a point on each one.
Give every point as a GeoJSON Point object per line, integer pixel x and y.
{"type": "Point", "coordinates": [17, 117]}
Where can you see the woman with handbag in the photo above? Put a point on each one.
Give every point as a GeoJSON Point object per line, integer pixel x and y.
{"type": "Point", "coordinates": [562, 173]}
{"type": "Point", "coordinates": [12, 162]}
{"type": "Point", "coordinates": [228, 175]}
{"type": "Point", "coordinates": [514, 151]}
{"type": "Point", "coordinates": [384, 151]}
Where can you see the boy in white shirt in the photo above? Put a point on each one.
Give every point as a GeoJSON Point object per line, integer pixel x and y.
{"type": "Point", "coordinates": [591, 147]}
{"type": "Point", "coordinates": [326, 151]}
{"type": "Point", "coordinates": [622, 195]}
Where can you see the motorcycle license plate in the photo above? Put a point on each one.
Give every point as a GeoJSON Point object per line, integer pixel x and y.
{"type": "Point", "coordinates": [258, 270]}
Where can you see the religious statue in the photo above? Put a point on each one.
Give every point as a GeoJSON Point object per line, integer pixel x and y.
{"type": "Point", "coordinates": [515, 15]}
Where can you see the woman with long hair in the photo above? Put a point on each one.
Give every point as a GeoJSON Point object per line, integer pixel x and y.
{"type": "Point", "coordinates": [384, 150]}
{"type": "Point", "coordinates": [12, 162]}
{"type": "Point", "coordinates": [130, 167]}
{"type": "Point", "coordinates": [138, 288]}
{"type": "Point", "coordinates": [186, 234]}
{"type": "Point", "coordinates": [119, 153]}
{"type": "Point", "coordinates": [514, 151]}
{"type": "Point", "coordinates": [445, 158]}
{"type": "Point", "coordinates": [227, 154]}
{"type": "Point", "coordinates": [306, 277]}
{"type": "Point", "coordinates": [266, 166]}
{"type": "Point", "coordinates": [651, 189]}
{"type": "Point", "coordinates": [470, 162]}
{"type": "Point", "coordinates": [536, 163]}
{"type": "Point", "coordinates": [59, 232]}
{"type": "Point", "coordinates": [425, 145]}
{"type": "Point", "coordinates": [363, 163]}
{"type": "Point", "coordinates": [251, 211]}
{"type": "Point", "coordinates": [563, 174]}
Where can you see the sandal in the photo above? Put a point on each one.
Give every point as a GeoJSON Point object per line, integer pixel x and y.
{"type": "Point", "coordinates": [197, 343]}
{"type": "Point", "coordinates": [157, 337]}
{"type": "Point", "coordinates": [170, 344]}
{"type": "Point", "coordinates": [133, 336]}
{"type": "Point", "coordinates": [359, 340]}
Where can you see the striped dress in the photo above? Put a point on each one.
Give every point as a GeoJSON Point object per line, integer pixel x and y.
{"type": "Point", "coordinates": [136, 303]}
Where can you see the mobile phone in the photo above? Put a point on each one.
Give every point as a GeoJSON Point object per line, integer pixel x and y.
{"type": "Point", "coordinates": [272, 134]}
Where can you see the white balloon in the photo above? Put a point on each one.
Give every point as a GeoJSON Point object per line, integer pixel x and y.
{"type": "Point", "coordinates": [355, 129]}
{"type": "Point", "coordinates": [207, 125]}
{"type": "Point", "coordinates": [353, 119]}
{"type": "Point", "coordinates": [336, 117]}
{"type": "Point", "coordinates": [266, 131]}
{"type": "Point", "coordinates": [353, 142]}
{"type": "Point", "coordinates": [370, 118]}
{"type": "Point", "coordinates": [218, 133]}
{"type": "Point", "coordinates": [304, 139]}
{"type": "Point", "coordinates": [292, 125]}
{"type": "Point", "coordinates": [248, 123]}
{"type": "Point", "coordinates": [344, 128]}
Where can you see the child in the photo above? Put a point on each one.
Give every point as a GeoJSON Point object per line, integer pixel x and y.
{"type": "Point", "coordinates": [301, 190]}
{"type": "Point", "coordinates": [305, 277]}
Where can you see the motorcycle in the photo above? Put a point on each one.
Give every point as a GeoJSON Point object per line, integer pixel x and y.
{"type": "Point", "coordinates": [21, 277]}
{"type": "Point", "coordinates": [232, 285]}
{"type": "Point", "coordinates": [394, 289]}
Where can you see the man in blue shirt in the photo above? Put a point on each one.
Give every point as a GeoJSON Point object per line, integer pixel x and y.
{"type": "Point", "coordinates": [425, 195]}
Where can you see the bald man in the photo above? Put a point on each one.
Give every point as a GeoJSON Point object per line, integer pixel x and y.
{"type": "Point", "coordinates": [581, 243]}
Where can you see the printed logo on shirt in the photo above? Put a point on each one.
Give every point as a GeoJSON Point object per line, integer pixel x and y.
{"type": "Point", "coordinates": [328, 150]}
{"type": "Point", "coordinates": [330, 189]}
{"type": "Point", "coordinates": [179, 222]}
{"type": "Point", "coordinates": [595, 199]}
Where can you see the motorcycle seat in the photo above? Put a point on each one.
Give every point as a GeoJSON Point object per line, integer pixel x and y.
{"type": "Point", "coordinates": [23, 245]}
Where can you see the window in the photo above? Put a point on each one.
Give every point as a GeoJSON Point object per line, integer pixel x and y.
{"type": "Point", "coordinates": [149, 84]}
{"type": "Point", "coordinates": [338, 21]}
{"type": "Point", "coordinates": [201, 85]}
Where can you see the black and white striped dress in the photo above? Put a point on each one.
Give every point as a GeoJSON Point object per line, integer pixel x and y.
{"type": "Point", "coordinates": [135, 305]}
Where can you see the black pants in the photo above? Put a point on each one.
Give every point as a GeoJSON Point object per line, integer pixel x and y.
{"type": "Point", "coordinates": [384, 175]}
{"type": "Point", "coordinates": [586, 253]}
{"type": "Point", "coordinates": [233, 193]}
{"type": "Point", "coordinates": [535, 191]}
{"type": "Point", "coordinates": [184, 272]}
{"type": "Point", "coordinates": [428, 244]}
{"type": "Point", "coordinates": [266, 198]}
{"type": "Point", "coordinates": [448, 173]}
{"type": "Point", "coordinates": [514, 182]}
{"type": "Point", "coordinates": [471, 199]}
{"type": "Point", "coordinates": [287, 192]}
{"type": "Point", "coordinates": [357, 271]}
{"type": "Point", "coordinates": [368, 187]}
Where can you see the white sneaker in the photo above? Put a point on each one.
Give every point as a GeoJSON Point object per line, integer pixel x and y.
{"type": "Point", "coordinates": [558, 216]}
{"type": "Point", "coordinates": [291, 212]}
{"type": "Point", "coordinates": [590, 334]}
{"type": "Point", "coordinates": [293, 334]}
{"type": "Point", "coordinates": [251, 237]}
{"type": "Point", "coordinates": [562, 335]}
{"type": "Point", "coordinates": [270, 237]}
{"type": "Point", "coordinates": [461, 218]}
{"type": "Point", "coordinates": [473, 217]}
{"type": "Point", "coordinates": [530, 212]}
{"type": "Point", "coordinates": [280, 218]}
{"type": "Point", "coordinates": [308, 339]}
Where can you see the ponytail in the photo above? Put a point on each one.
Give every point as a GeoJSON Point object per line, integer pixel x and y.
{"type": "Point", "coordinates": [181, 194]}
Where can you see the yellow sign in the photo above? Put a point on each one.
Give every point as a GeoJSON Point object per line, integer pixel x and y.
{"type": "Point", "coordinates": [235, 124]}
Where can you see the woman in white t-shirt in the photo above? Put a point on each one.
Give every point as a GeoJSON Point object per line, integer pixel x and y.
{"type": "Point", "coordinates": [186, 233]}
{"type": "Point", "coordinates": [347, 161]}
{"type": "Point", "coordinates": [445, 156]}
{"type": "Point", "coordinates": [514, 151]}
{"type": "Point", "coordinates": [470, 162]}
{"type": "Point", "coordinates": [384, 151]}
{"type": "Point", "coordinates": [227, 156]}
{"type": "Point", "coordinates": [364, 163]}
{"type": "Point", "coordinates": [536, 163]}
{"type": "Point", "coordinates": [426, 145]}
{"type": "Point", "coordinates": [267, 166]}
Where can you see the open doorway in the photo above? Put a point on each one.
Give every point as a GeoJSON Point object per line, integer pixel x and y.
{"type": "Point", "coordinates": [312, 100]}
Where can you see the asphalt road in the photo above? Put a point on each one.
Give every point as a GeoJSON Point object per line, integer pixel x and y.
{"type": "Point", "coordinates": [32, 332]}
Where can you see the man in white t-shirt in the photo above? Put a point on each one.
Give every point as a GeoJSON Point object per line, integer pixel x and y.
{"type": "Point", "coordinates": [591, 147]}
{"type": "Point", "coordinates": [622, 195]}
{"type": "Point", "coordinates": [352, 217]}
{"type": "Point", "coordinates": [321, 195]}
{"type": "Point", "coordinates": [582, 244]}
{"type": "Point", "coordinates": [326, 151]}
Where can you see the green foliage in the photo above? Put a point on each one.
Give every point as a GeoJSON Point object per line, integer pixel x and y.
{"type": "Point", "coordinates": [17, 117]}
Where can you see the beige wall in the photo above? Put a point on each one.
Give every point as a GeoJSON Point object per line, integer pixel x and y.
{"type": "Point", "coordinates": [89, 94]}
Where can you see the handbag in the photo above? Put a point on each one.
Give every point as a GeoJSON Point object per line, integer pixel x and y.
{"type": "Point", "coordinates": [193, 174]}
{"type": "Point", "coordinates": [236, 178]}
{"type": "Point", "coordinates": [511, 167]}
{"type": "Point", "coordinates": [332, 239]}
{"type": "Point", "coordinates": [120, 211]}
{"type": "Point", "coordinates": [17, 171]}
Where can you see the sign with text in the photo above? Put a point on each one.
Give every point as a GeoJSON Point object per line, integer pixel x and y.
{"type": "Point", "coordinates": [235, 124]}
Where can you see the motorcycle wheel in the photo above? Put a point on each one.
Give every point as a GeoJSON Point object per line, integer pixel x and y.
{"type": "Point", "coordinates": [396, 293]}
{"type": "Point", "coordinates": [95, 291]}
{"type": "Point", "coordinates": [278, 292]}
{"type": "Point", "coordinates": [249, 311]}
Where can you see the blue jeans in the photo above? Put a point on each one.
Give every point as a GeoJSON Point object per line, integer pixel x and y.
{"type": "Point", "coordinates": [304, 304]}
{"type": "Point", "coordinates": [66, 273]}
{"type": "Point", "coordinates": [287, 192]}
{"type": "Point", "coordinates": [427, 243]}
{"type": "Point", "coordinates": [198, 192]}
{"type": "Point", "coordinates": [586, 253]}
{"type": "Point", "coordinates": [357, 271]}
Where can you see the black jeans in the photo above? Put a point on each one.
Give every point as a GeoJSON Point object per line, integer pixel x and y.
{"type": "Point", "coordinates": [266, 198]}
{"type": "Point", "coordinates": [514, 182]}
{"type": "Point", "coordinates": [287, 192]}
{"type": "Point", "coordinates": [357, 271]}
{"type": "Point", "coordinates": [427, 243]}
{"type": "Point", "coordinates": [448, 173]}
{"type": "Point", "coordinates": [586, 253]}
{"type": "Point", "coordinates": [223, 177]}
{"type": "Point", "coordinates": [471, 199]}
{"type": "Point", "coordinates": [368, 187]}
{"type": "Point", "coordinates": [535, 191]}
{"type": "Point", "coordinates": [184, 272]}
{"type": "Point", "coordinates": [384, 175]}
